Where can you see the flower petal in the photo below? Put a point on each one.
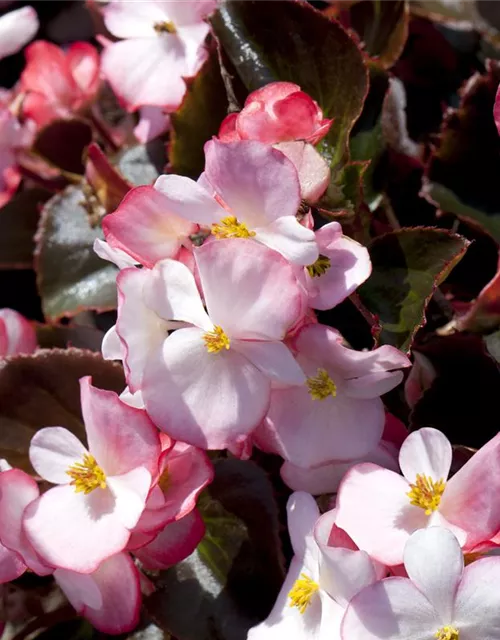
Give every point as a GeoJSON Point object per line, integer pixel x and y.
{"type": "Point", "coordinates": [16, 29]}
{"type": "Point", "coordinates": [426, 452]}
{"type": "Point", "coordinates": [303, 514]}
{"type": "Point", "coordinates": [477, 603]}
{"type": "Point", "coordinates": [131, 20]}
{"type": "Point", "coordinates": [287, 236]}
{"type": "Point", "coordinates": [11, 565]}
{"type": "Point", "coordinates": [19, 334]}
{"type": "Point", "coordinates": [130, 491]}
{"type": "Point", "coordinates": [274, 359]}
{"type": "Point", "coordinates": [312, 169]}
{"type": "Point", "coordinates": [250, 290]}
{"type": "Point", "coordinates": [53, 451]}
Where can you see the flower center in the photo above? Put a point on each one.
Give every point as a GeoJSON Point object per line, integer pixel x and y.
{"type": "Point", "coordinates": [447, 633]}
{"type": "Point", "coordinates": [426, 494]}
{"type": "Point", "coordinates": [229, 227]}
{"type": "Point", "coordinates": [216, 340]}
{"type": "Point", "coordinates": [321, 385]}
{"type": "Point", "coordinates": [164, 27]}
{"type": "Point", "coordinates": [87, 475]}
{"type": "Point", "coordinates": [302, 592]}
{"type": "Point", "coordinates": [319, 267]}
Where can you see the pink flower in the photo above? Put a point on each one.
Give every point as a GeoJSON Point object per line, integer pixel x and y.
{"type": "Point", "coordinates": [58, 82]}
{"type": "Point", "coordinates": [342, 266]}
{"type": "Point", "coordinates": [381, 509]}
{"type": "Point", "coordinates": [284, 116]}
{"type": "Point", "coordinates": [439, 599]}
{"type": "Point", "coordinates": [209, 382]}
{"type": "Point", "coordinates": [17, 334]}
{"type": "Point", "coordinates": [103, 490]}
{"type": "Point", "coordinates": [14, 138]}
{"type": "Point", "coordinates": [145, 228]}
{"type": "Point", "coordinates": [325, 573]}
{"type": "Point", "coordinates": [338, 413]}
{"type": "Point", "coordinates": [159, 35]}
{"type": "Point", "coordinates": [248, 190]}
{"type": "Point", "coordinates": [16, 29]}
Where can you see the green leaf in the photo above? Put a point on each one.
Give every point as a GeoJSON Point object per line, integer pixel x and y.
{"type": "Point", "coordinates": [62, 144]}
{"type": "Point", "coordinates": [71, 277]}
{"type": "Point", "coordinates": [194, 123]}
{"type": "Point", "coordinates": [313, 51]}
{"type": "Point", "coordinates": [231, 581]}
{"type": "Point", "coordinates": [18, 222]}
{"type": "Point", "coordinates": [408, 266]}
{"type": "Point", "coordinates": [42, 390]}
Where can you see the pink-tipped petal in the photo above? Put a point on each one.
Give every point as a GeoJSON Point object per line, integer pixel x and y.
{"type": "Point", "coordinates": [258, 183]}
{"type": "Point", "coordinates": [143, 227]}
{"type": "Point", "coordinates": [287, 236]}
{"type": "Point", "coordinates": [120, 437]}
{"type": "Point", "coordinates": [53, 451]}
{"type": "Point", "coordinates": [75, 531]}
{"type": "Point", "coordinates": [426, 452]}
{"type": "Point", "coordinates": [312, 169]}
{"type": "Point", "coordinates": [20, 335]}
{"type": "Point", "coordinates": [48, 74]}
{"type": "Point", "coordinates": [178, 540]}
{"type": "Point", "coordinates": [261, 298]}
{"type": "Point", "coordinates": [11, 565]}
{"type": "Point", "coordinates": [83, 61]}
{"type": "Point", "coordinates": [17, 491]}
{"type": "Point", "coordinates": [16, 29]}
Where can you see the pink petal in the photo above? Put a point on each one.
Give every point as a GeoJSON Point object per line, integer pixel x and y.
{"type": "Point", "coordinates": [313, 171]}
{"type": "Point", "coordinates": [140, 330]}
{"type": "Point", "coordinates": [16, 29]}
{"type": "Point", "coordinates": [477, 603]}
{"type": "Point", "coordinates": [80, 588]}
{"type": "Point", "coordinates": [392, 609]}
{"type": "Point", "coordinates": [303, 514]}
{"type": "Point", "coordinates": [117, 581]}
{"type": "Point", "coordinates": [131, 20]}
{"type": "Point", "coordinates": [260, 299]}
{"type": "Point", "coordinates": [287, 236]}
{"type": "Point", "coordinates": [470, 500]}
{"type": "Point", "coordinates": [11, 565]}
{"type": "Point", "coordinates": [48, 74]}
{"type": "Point", "coordinates": [53, 451]}
{"type": "Point", "coordinates": [75, 531]}
{"type": "Point", "coordinates": [135, 70]}
{"type": "Point", "coordinates": [130, 491]}
{"type": "Point", "coordinates": [227, 396]}
{"type": "Point", "coordinates": [120, 437]}
{"type": "Point", "coordinates": [257, 183]}
{"type": "Point", "coordinates": [189, 199]}
{"type": "Point", "coordinates": [153, 122]}
{"type": "Point", "coordinates": [375, 511]}
{"type": "Point", "coordinates": [373, 385]}
{"type": "Point", "coordinates": [20, 336]}
{"type": "Point", "coordinates": [344, 572]}
{"type": "Point", "coordinates": [83, 61]}
{"type": "Point", "coordinates": [143, 227]}
{"type": "Point", "coordinates": [274, 359]}
{"type": "Point", "coordinates": [425, 452]}
{"type": "Point", "coordinates": [439, 576]}
{"type": "Point", "coordinates": [227, 130]}
{"type": "Point", "coordinates": [177, 541]}
{"type": "Point", "coordinates": [17, 491]}
{"type": "Point", "coordinates": [118, 257]}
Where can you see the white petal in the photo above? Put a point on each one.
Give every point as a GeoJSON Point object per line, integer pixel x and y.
{"type": "Point", "coordinates": [274, 359]}
{"type": "Point", "coordinates": [16, 29]}
{"type": "Point", "coordinates": [53, 451]}
{"type": "Point", "coordinates": [425, 452]}
{"type": "Point", "coordinates": [477, 604]}
{"type": "Point", "coordinates": [287, 236]}
{"type": "Point", "coordinates": [130, 491]}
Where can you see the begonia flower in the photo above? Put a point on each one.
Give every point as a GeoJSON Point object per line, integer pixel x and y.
{"type": "Point", "coordinates": [284, 116]}
{"type": "Point", "coordinates": [326, 571]}
{"type": "Point", "coordinates": [15, 137]}
{"type": "Point", "coordinates": [248, 190]}
{"type": "Point", "coordinates": [337, 414]}
{"type": "Point", "coordinates": [209, 382]}
{"type": "Point", "coordinates": [342, 266]}
{"type": "Point", "coordinates": [380, 509]}
{"type": "Point", "coordinates": [102, 491]}
{"type": "Point", "coordinates": [166, 34]}
{"type": "Point", "coordinates": [58, 83]}
{"type": "Point", "coordinates": [16, 29]}
{"type": "Point", "coordinates": [17, 335]}
{"type": "Point", "coordinates": [440, 599]}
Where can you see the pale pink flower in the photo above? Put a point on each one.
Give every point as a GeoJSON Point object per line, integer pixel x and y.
{"type": "Point", "coordinates": [337, 414]}
{"type": "Point", "coordinates": [325, 573]}
{"type": "Point", "coordinates": [58, 82]}
{"type": "Point", "coordinates": [14, 138]}
{"type": "Point", "coordinates": [380, 509]}
{"type": "Point", "coordinates": [159, 35]}
{"type": "Point", "coordinates": [284, 116]}
{"type": "Point", "coordinates": [342, 266]}
{"type": "Point", "coordinates": [16, 29]}
{"type": "Point", "coordinates": [209, 382]}
{"type": "Point", "coordinates": [17, 335]}
{"type": "Point", "coordinates": [248, 190]}
{"type": "Point", "coordinates": [439, 599]}
{"type": "Point", "coordinates": [102, 491]}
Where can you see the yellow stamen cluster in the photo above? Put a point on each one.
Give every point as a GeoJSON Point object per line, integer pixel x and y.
{"type": "Point", "coordinates": [426, 493]}
{"type": "Point", "coordinates": [302, 592]}
{"type": "Point", "coordinates": [87, 475]}
{"type": "Point", "coordinates": [216, 340]}
{"type": "Point", "coordinates": [321, 385]}
{"type": "Point", "coordinates": [229, 227]}
{"type": "Point", "coordinates": [319, 267]}
{"type": "Point", "coordinates": [164, 27]}
{"type": "Point", "coordinates": [447, 633]}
